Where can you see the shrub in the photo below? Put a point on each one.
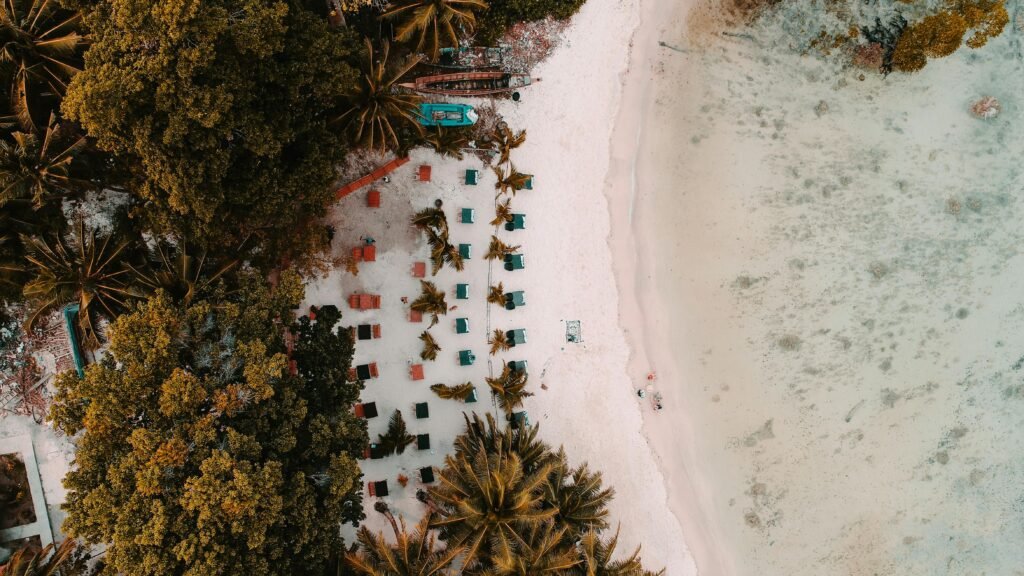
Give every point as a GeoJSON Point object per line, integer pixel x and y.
{"type": "Point", "coordinates": [502, 14]}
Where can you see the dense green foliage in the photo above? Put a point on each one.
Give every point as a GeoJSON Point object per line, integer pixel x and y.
{"type": "Point", "coordinates": [502, 14]}
{"type": "Point", "coordinates": [222, 108]}
{"type": "Point", "coordinates": [515, 507]}
{"type": "Point", "coordinates": [200, 452]}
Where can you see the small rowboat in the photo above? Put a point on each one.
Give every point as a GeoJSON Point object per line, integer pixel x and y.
{"type": "Point", "coordinates": [469, 83]}
{"type": "Point", "coordinates": [447, 115]}
{"type": "Point", "coordinates": [466, 57]}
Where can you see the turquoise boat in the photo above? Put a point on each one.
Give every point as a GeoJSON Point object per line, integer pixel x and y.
{"type": "Point", "coordinates": [448, 115]}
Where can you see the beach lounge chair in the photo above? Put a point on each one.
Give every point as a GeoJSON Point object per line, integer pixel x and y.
{"type": "Point", "coordinates": [366, 253]}
{"type": "Point", "coordinates": [374, 452]}
{"type": "Point", "coordinates": [466, 251]}
{"type": "Point", "coordinates": [517, 365]}
{"type": "Point", "coordinates": [363, 372]}
{"type": "Point", "coordinates": [472, 176]}
{"type": "Point", "coordinates": [423, 173]}
{"type": "Point", "coordinates": [472, 397]}
{"type": "Point", "coordinates": [427, 474]}
{"type": "Point", "coordinates": [515, 299]}
{"type": "Point", "coordinates": [378, 488]}
{"type": "Point", "coordinates": [518, 223]}
{"type": "Point", "coordinates": [520, 419]}
{"type": "Point", "coordinates": [514, 262]}
{"type": "Point", "coordinates": [364, 301]}
{"type": "Point", "coordinates": [516, 337]}
{"type": "Point", "coordinates": [423, 441]}
{"type": "Point", "coordinates": [419, 269]}
{"type": "Point", "coordinates": [529, 183]}
{"type": "Point", "coordinates": [468, 215]}
{"type": "Point", "coordinates": [415, 316]}
{"type": "Point", "coordinates": [466, 357]}
{"type": "Point", "coordinates": [367, 410]}
{"type": "Point", "coordinates": [366, 332]}
{"type": "Point", "coordinates": [373, 199]}
{"type": "Point", "coordinates": [422, 410]}
{"type": "Point", "coordinates": [462, 291]}
{"type": "Point", "coordinates": [462, 325]}
{"type": "Point", "coordinates": [416, 371]}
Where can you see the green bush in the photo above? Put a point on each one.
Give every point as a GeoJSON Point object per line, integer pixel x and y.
{"type": "Point", "coordinates": [502, 14]}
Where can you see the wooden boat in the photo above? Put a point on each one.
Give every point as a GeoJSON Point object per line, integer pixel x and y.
{"type": "Point", "coordinates": [442, 114]}
{"type": "Point", "coordinates": [469, 83]}
{"type": "Point", "coordinates": [467, 57]}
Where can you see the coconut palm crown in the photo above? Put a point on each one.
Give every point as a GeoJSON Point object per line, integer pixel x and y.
{"type": "Point", "coordinates": [376, 110]}
{"type": "Point", "coordinates": [434, 24]}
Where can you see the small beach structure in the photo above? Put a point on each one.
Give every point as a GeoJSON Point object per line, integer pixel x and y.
{"type": "Point", "coordinates": [423, 441]}
{"type": "Point", "coordinates": [462, 325]}
{"type": "Point", "coordinates": [364, 301]}
{"type": "Point", "coordinates": [447, 115]}
{"type": "Point", "coordinates": [514, 262]}
{"type": "Point", "coordinates": [462, 291]}
{"type": "Point", "coordinates": [518, 222]}
{"type": "Point", "coordinates": [466, 251]}
{"type": "Point", "coordinates": [366, 410]}
{"type": "Point", "coordinates": [467, 215]}
{"type": "Point", "coordinates": [515, 299]}
{"type": "Point", "coordinates": [516, 337]}
{"type": "Point", "coordinates": [466, 358]}
{"type": "Point", "coordinates": [378, 488]}
{"type": "Point", "coordinates": [363, 372]}
{"type": "Point", "coordinates": [422, 410]}
{"type": "Point", "coordinates": [472, 176]}
{"type": "Point", "coordinates": [416, 371]}
{"type": "Point", "coordinates": [427, 474]}
{"type": "Point", "coordinates": [477, 83]}
{"type": "Point", "coordinates": [366, 332]}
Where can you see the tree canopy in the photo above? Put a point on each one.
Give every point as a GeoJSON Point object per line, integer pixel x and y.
{"type": "Point", "coordinates": [222, 107]}
{"type": "Point", "coordinates": [201, 450]}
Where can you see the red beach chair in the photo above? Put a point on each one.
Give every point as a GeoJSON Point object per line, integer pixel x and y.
{"type": "Point", "coordinates": [416, 372]}
{"type": "Point", "coordinates": [373, 199]}
{"type": "Point", "coordinates": [415, 316]}
{"type": "Point", "coordinates": [423, 174]}
{"type": "Point", "coordinates": [419, 269]}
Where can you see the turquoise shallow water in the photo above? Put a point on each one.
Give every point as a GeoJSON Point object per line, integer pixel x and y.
{"type": "Point", "coordinates": [844, 259]}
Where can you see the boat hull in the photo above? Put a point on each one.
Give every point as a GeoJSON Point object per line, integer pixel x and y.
{"type": "Point", "coordinates": [470, 83]}
{"type": "Point", "coordinates": [447, 115]}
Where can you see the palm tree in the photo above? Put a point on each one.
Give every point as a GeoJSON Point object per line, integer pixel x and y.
{"type": "Point", "coordinates": [510, 390]}
{"type": "Point", "coordinates": [431, 219]}
{"type": "Point", "coordinates": [510, 181]}
{"type": "Point", "coordinates": [457, 392]}
{"type": "Point", "coordinates": [430, 346]}
{"type": "Point", "coordinates": [502, 212]}
{"type": "Point", "coordinates": [434, 23]}
{"type": "Point", "coordinates": [39, 170]}
{"type": "Point", "coordinates": [498, 341]}
{"type": "Point", "coordinates": [41, 50]}
{"type": "Point", "coordinates": [448, 141]}
{"type": "Point", "coordinates": [415, 554]}
{"type": "Point", "coordinates": [431, 301]}
{"type": "Point", "coordinates": [184, 273]}
{"type": "Point", "coordinates": [443, 252]}
{"type": "Point", "coordinates": [488, 436]}
{"type": "Point", "coordinates": [41, 563]}
{"type": "Point", "coordinates": [579, 495]}
{"type": "Point", "coordinates": [397, 437]}
{"type": "Point", "coordinates": [597, 555]}
{"type": "Point", "coordinates": [487, 496]}
{"type": "Point", "coordinates": [506, 141]}
{"type": "Point", "coordinates": [376, 112]}
{"type": "Point", "coordinates": [498, 249]}
{"type": "Point", "coordinates": [540, 549]}
{"type": "Point", "coordinates": [83, 267]}
{"type": "Point", "coordinates": [496, 294]}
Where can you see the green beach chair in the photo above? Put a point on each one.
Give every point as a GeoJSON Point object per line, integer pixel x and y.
{"type": "Point", "coordinates": [472, 176]}
{"type": "Point", "coordinates": [514, 262]}
{"type": "Point", "coordinates": [466, 251]}
{"type": "Point", "coordinates": [462, 291]}
{"type": "Point", "coordinates": [422, 410]}
{"type": "Point", "coordinates": [529, 183]}
{"type": "Point", "coordinates": [466, 358]}
{"type": "Point", "coordinates": [462, 325]}
{"type": "Point", "coordinates": [518, 223]}
{"type": "Point", "coordinates": [468, 215]}
{"type": "Point", "coordinates": [517, 365]}
{"type": "Point", "coordinates": [515, 299]}
{"type": "Point", "coordinates": [516, 337]}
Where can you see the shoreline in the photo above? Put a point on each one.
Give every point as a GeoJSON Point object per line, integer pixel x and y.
{"type": "Point", "coordinates": [632, 244]}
